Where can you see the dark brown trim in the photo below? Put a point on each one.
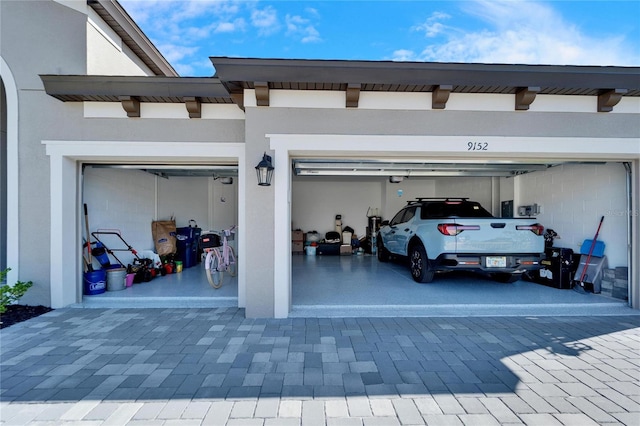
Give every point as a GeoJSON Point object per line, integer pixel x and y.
{"type": "Point", "coordinates": [78, 88]}
{"type": "Point", "coordinates": [131, 105]}
{"type": "Point", "coordinates": [525, 97]}
{"type": "Point", "coordinates": [423, 76]}
{"type": "Point", "coordinates": [607, 100]}
{"type": "Point", "coordinates": [193, 106]}
{"type": "Point", "coordinates": [440, 96]}
{"type": "Point", "coordinates": [353, 95]}
{"type": "Point", "coordinates": [262, 93]}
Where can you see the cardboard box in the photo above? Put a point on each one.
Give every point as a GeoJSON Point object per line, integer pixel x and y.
{"type": "Point", "coordinates": [345, 250]}
{"type": "Point", "coordinates": [297, 236]}
{"type": "Point", "coordinates": [297, 246]}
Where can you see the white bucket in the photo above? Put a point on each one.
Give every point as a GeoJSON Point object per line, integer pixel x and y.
{"type": "Point", "coordinates": [311, 250]}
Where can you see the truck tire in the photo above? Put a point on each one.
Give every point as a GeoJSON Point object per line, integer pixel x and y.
{"type": "Point", "coordinates": [383, 253]}
{"type": "Point", "coordinates": [419, 263]}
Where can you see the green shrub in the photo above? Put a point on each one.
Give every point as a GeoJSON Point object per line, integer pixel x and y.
{"type": "Point", "coordinates": [10, 294]}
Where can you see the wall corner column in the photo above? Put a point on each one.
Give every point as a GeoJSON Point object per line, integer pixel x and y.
{"type": "Point", "coordinates": [634, 284]}
{"type": "Point", "coordinates": [64, 261]}
{"type": "Point", "coordinates": [282, 237]}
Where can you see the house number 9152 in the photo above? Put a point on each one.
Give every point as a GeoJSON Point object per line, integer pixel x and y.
{"type": "Point", "coordinates": [477, 146]}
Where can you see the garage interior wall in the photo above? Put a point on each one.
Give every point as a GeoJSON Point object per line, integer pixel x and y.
{"type": "Point", "coordinates": [129, 200]}
{"type": "Point", "coordinates": [316, 201]}
{"type": "Point", "coordinates": [573, 198]}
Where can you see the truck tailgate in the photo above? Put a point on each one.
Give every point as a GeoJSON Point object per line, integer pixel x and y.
{"type": "Point", "coordinates": [498, 236]}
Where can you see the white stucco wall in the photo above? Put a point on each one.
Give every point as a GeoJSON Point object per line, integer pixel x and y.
{"type": "Point", "coordinates": [106, 53]}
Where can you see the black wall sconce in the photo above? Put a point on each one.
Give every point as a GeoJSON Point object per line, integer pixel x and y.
{"type": "Point", "coordinates": [264, 170]}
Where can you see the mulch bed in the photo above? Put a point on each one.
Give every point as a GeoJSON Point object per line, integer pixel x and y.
{"type": "Point", "coordinates": [19, 313]}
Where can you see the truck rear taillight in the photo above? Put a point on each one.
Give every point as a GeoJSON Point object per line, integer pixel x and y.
{"type": "Point", "coordinates": [454, 229]}
{"type": "Point", "coordinates": [536, 229]}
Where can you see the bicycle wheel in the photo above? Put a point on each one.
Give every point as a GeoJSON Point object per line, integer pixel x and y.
{"type": "Point", "coordinates": [212, 262]}
{"type": "Point", "coordinates": [232, 267]}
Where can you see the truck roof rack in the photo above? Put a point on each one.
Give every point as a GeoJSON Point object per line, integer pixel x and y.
{"type": "Point", "coordinates": [421, 199]}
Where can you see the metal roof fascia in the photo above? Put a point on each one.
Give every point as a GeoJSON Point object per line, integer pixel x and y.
{"type": "Point", "coordinates": [425, 73]}
{"type": "Point", "coordinates": [160, 86]}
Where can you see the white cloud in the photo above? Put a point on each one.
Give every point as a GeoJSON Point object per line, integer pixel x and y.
{"type": "Point", "coordinates": [432, 27]}
{"type": "Point", "coordinates": [523, 32]}
{"type": "Point", "coordinates": [299, 27]}
{"type": "Point", "coordinates": [175, 53]}
{"type": "Point", "coordinates": [231, 27]}
{"type": "Point", "coordinates": [404, 55]}
{"type": "Point", "coordinates": [265, 20]}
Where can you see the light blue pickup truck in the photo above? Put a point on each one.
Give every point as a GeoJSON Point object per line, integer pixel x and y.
{"type": "Point", "coordinates": [445, 234]}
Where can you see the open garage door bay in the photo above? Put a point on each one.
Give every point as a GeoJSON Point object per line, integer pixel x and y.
{"type": "Point", "coordinates": [565, 194]}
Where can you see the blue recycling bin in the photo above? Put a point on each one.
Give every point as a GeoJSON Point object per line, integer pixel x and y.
{"type": "Point", "coordinates": [187, 245]}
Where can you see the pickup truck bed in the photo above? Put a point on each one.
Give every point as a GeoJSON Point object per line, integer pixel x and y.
{"type": "Point", "coordinates": [456, 234]}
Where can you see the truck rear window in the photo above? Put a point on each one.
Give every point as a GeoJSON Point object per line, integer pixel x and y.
{"type": "Point", "coordinates": [442, 209]}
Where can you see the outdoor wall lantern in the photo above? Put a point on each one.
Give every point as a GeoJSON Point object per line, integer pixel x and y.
{"type": "Point", "coordinates": [264, 170]}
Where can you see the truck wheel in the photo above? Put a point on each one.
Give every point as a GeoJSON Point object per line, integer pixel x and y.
{"type": "Point", "coordinates": [505, 277]}
{"type": "Point", "coordinates": [383, 253]}
{"type": "Point", "coordinates": [419, 263]}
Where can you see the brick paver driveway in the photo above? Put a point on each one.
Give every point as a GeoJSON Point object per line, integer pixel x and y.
{"type": "Point", "coordinates": [213, 366]}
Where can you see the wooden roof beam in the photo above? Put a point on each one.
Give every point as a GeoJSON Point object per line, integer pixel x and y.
{"type": "Point", "coordinates": [525, 97]}
{"type": "Point", "coordinates": [440, 96]}
{"type": "Point", "coordinates": [610, 98]}
{"type": "Point", "coordinates": [353, 95]}
{"type": "Point", "coordinates": [131, 105]}
{"type": "Point", "coordinates": [262, 93]}
{"type": "Point", "coordinates": [238, 99]}
{"type": "Point", "coordinates": [194, 107]}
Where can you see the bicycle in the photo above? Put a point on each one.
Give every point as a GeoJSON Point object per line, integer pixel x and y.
{"type": "Point", "coordinates": [221, 258]}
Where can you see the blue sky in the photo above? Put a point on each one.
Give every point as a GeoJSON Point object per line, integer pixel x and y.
{"type": "Point", "coordinates": [562, 32]}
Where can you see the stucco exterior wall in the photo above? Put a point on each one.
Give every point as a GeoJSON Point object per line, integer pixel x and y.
{"type": "Point", "coordinates": [107, 54]}
{"type": "Point", "coordinates": [37, 37]}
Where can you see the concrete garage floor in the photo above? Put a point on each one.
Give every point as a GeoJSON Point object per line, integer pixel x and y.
{"type": "Point", "coordinates": [187, 289]}
{"type": "Point", "coordinates": [362, 286]}
{"type": "Point", "coordinates": [348, 286]}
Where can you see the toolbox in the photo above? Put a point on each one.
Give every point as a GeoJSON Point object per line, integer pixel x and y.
{"type": "Point", "coordinates": [558, 268]}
